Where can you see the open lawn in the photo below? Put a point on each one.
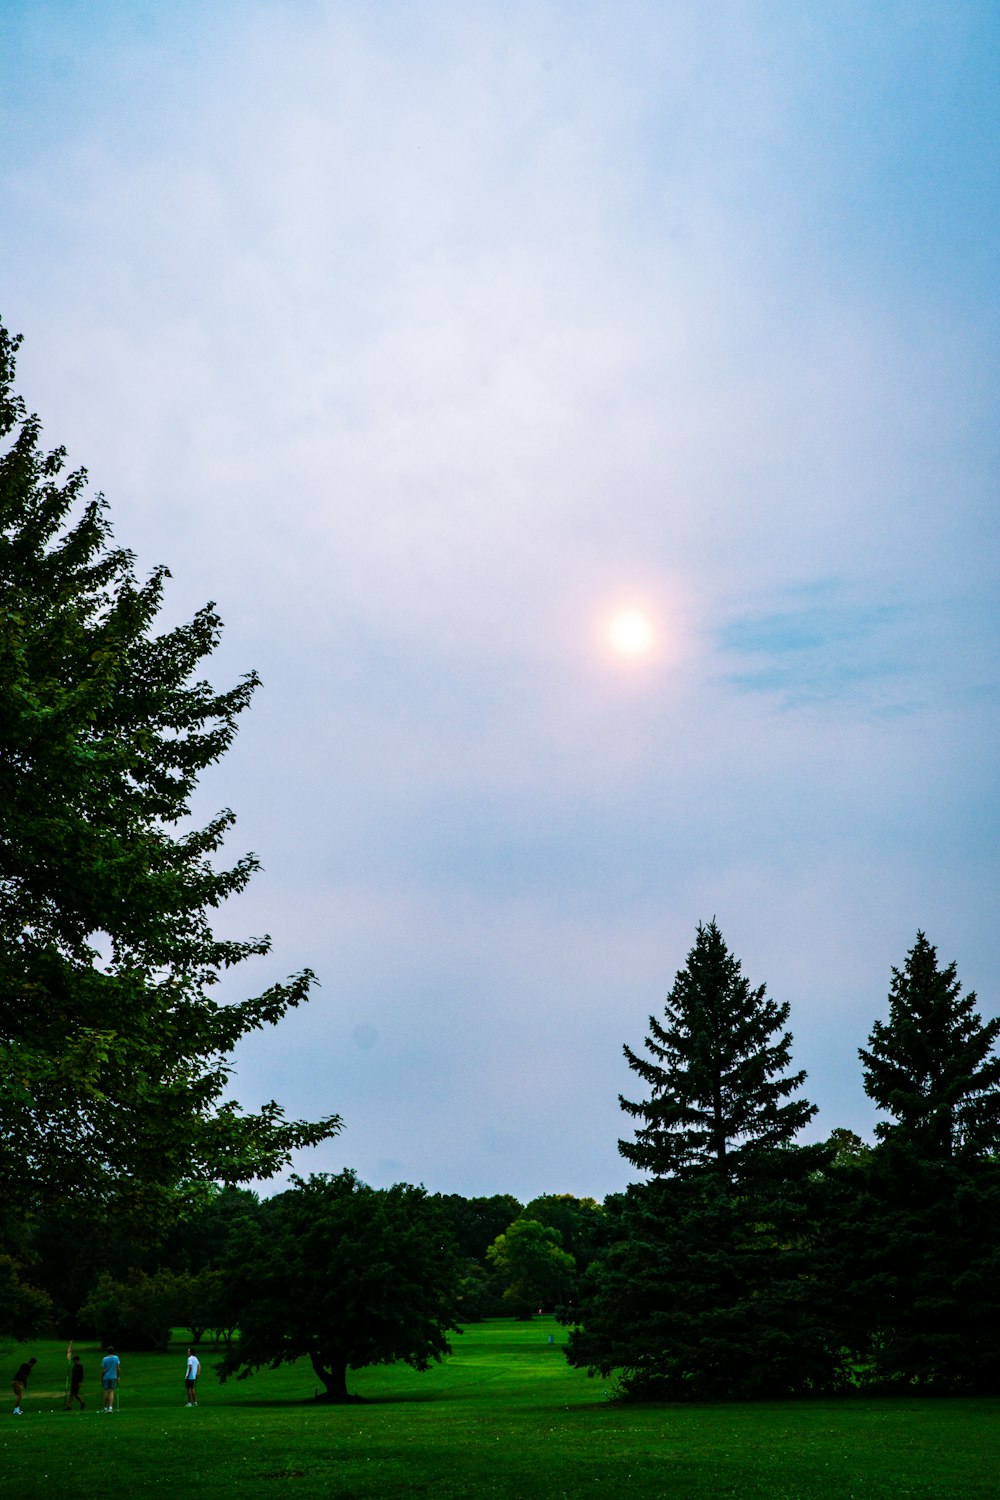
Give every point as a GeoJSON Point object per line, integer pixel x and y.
{"type": "Point", "coordinates": [504, 1416]}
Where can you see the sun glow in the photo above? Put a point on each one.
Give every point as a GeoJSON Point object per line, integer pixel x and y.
{"type": "Point", "coordinates": [631, 632]}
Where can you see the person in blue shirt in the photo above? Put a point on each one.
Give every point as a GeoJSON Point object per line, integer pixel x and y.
{"type": "Point", "coordinates": [110, 1373]}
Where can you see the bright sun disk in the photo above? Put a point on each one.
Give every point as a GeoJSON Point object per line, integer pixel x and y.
{"type": "Point", "coordinates": [631, 632]}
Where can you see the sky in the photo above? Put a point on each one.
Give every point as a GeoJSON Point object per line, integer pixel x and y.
{"type": "Point", "coordinates": [427, 337]}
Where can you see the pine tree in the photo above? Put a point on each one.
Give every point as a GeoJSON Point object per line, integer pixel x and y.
{"type": "Point", "coordinates": [114, 1053]}
{"type": "Point", "coordinates": [706, 1288]}
{"type": "Point", "coordinates": [919, 1249]}
{"type": "Point", "coordinates": [720, 1091]}
{"type": "Point", "coordinates": [932, 1065]}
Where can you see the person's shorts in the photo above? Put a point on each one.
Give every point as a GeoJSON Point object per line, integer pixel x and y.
{"type": "Point", "coordinates": [109, 1385]}
{"type": "Point", "coordinates": [18, 1389]}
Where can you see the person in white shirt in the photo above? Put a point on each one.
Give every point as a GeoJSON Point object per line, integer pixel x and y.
{"type": "Point", "coordinates": [191, 1375]}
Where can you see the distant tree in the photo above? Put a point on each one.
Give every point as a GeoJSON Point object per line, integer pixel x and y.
{"type": "Point", "coordinates": [705, 1289]}
{"type": "Point", "coordinates": [138, 1312]}
{"type": "Point", "coordinates": [201, 1302]}
{"type": "Point", "coordinates": [578, 1220]}
{"type": "Point", "coordinates": [114, 1055]}
{"type": "Point", "coordinates": [476, 1222]}
{"type": "Point", "coordinates": [344, 1275]}
{"type": "Point", "coordinates": [919, 1266]}
{"type": "Point", "coordinates": [538, 1271]}
{"type": "Point", "coordinates": [25, 1310]}
{"type": "Point", "coordinates": [199, 1241]}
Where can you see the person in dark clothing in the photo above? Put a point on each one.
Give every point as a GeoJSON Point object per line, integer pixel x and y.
{"type": "Point", "coordinates": [75, 1382]}
{"type": "Point", "coordinates": [20, 1381]}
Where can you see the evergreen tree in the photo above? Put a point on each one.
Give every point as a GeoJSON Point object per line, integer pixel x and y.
{"type": "Point", "coordinates": [920, 1267]}
{"type": "Point", "coordinates": [113, 1050]}
{"type": "Point", "coordinates": [719, 1097]}
{"type": "Point", "coordinates": [707, 1288]}
{"type": "Point", "coordinates": [932, 1065]}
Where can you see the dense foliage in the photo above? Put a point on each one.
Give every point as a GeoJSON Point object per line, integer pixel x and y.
{"type": "Point", "coordinates": [113, 1050]}
{"type": "Point", "coordinates": [344, 1275]}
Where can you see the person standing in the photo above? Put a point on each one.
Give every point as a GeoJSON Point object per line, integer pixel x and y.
{"type": "Point", "coordinates": [75, 1382]}
{"type": "Point", "coordinates": [191, 1376]}
{"type": "Point", "coordinates": [19, 1383]}
{"type": "Point", "coordinates": [110, 1373]}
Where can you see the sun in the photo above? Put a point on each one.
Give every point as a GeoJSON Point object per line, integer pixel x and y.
{"type": "Point", "coordinates": [631, 632]}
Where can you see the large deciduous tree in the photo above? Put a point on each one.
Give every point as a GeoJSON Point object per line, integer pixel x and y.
{"type": "Point", "coordinates": [344, 1275]}
{"type": "Point", "coordinates": [919, 1264]}
{"type": "Point", "coordinates": [114, 1051]}
{"type": "Point", "coordinates": [705, 1288]}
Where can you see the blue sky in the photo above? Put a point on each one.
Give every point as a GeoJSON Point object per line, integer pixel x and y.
{"type": "Point", "coordinates": [422, 337]}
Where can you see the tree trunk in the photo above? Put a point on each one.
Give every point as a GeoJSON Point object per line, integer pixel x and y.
{"type": "Point", "coordinates": [333, 1374]}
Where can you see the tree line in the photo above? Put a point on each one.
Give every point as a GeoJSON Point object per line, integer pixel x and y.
{"type": "Point", "coordinates": [743, 1264]}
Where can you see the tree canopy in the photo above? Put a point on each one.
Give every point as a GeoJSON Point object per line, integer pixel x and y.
{"type": "Point", "coordinates": [114, 1052]}
{"type": "Point", "coordinates": [344, 1275]}
{"type": "Point", "coordinates": [539, 1272]}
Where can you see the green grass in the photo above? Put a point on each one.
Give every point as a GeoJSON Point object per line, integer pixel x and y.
{"type": "Point", "coordinates": [504, 1416]}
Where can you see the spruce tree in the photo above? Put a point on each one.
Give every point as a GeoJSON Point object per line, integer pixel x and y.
{"type": "Point", "coordinates": [719, 1090]}
{"type": "Point", "coordinates": [919, 1264]}
{"type": "Point", "coordinates": [706, 1287]}
{"type": "Point", "coordinates": [114, 1051]}
{"type": "Point", "coordinates": [932, 1066]}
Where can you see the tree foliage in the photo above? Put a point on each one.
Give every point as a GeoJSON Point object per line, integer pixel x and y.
{"type": "Point", "coordinates": [113, 1049]}
{"type": "Point", "coordinates": [530, 1258]}
{"type": "Point", "coordinates": [344, 1275]}
{"type": "Point", "coordinates": [26, 1310]}
{"type": "Point", "coordinates": [137, 1312]}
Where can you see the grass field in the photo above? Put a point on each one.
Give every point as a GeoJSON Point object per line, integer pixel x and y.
{"type": "Point", "coordinates": [504, 1416]}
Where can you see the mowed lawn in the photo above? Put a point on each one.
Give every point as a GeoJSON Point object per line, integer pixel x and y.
{"type": "Point", "coordinates": [504, 1416]}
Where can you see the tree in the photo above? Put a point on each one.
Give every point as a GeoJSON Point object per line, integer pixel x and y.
{"type": "Point", "coordinates": [138, 1312]}
{"type": "Point", "coordinates": [25, 1310]}
{"type": "Point", "coordinates": [476, 1222]}
{"type": "Point", "coordinates": [578, 1220]}
{"type": "Point", "coordinates": [919, 1264]}
{"type": "Point", "coordinates": [113, 1050]}
{"type": "Point", "coordinates": [720, 1096]}
{"type": "Point", "coordinates": [343, 1274]}
{"type": "Point", "coordinates": [932, 1065]}
{"type": "Point", "coordinates": [705, 1288]}
{"type": "Point", "coordinates": [530, 1257]}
